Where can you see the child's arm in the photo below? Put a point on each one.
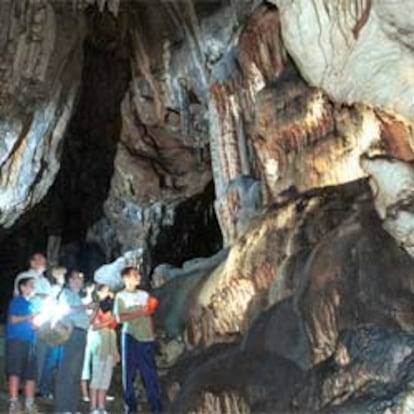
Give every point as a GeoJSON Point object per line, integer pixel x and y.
{"type": "Point", "coordinates": [152, 305]}
{"type": "Point", "coordinates": [21, 318]}
{"type": "Point", "coordinates": [92, 317]}
{"type": "Point", "coordinates": [81, 308]}
{"type": "Point", "coordinates": [117, 355]}
{"type": "Point", "coordinates": [129, 316]}
{"type": "Point", "coordinates": [147, 310]}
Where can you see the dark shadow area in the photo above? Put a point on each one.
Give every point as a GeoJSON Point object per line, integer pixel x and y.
{"type": "Point", "coordinates": [75, 200]}
{"type": "Point", "coordinates": [196, 232]}
{"type": "Point", "coordinates": [82, 184]}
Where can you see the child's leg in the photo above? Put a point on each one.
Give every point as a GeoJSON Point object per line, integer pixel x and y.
{"type": "Point", "coordinates": [29, 389]}
{"type": "Point", "coordinates": [86, 369]}
{"type": "Point", "coordinates": [29, 393]}
{"type": "Point", "coordinates": [129, 370]}
{"type": "Point", "coordinates": [84, 388]}
{"type": "Point", "coordinates": [94, 397]}
{"type": "Point", "coordinates": [101, 379]}
{"type": "Point", "coordinates": [14, 382]}
{"type": "Point", "coordinates": [149, 373]}
{"type": "Point", "coordinates": [101, 398]}
{"type": "Point", "coordinates": [30, 376]}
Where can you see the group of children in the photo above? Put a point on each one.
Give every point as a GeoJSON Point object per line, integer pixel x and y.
{"type": "Point", "coordinates": [91, 326]}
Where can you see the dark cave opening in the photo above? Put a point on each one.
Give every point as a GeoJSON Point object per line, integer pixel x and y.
{"type": "Point", "coordinates": [195, 233]}
{"type": "Point", "coordinates": [83, 181]}
{"type": "Point", "coordinates": [81, 186]}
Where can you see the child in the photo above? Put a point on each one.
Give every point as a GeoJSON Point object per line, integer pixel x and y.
{"type": "Point", "coordinates": [133, 308]}
{"type": "Point", "coordinates": [20, 351]}
{"type": "Point", "coordinates": [87, 360]}
{"type": "Point", "coordinates": [104, 350]}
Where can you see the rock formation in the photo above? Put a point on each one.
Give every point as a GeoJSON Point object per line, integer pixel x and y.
{"type": "Point", "coordinates": [255, 157]}
{"type": "Point", "coordinates": [357, 51]}
{"type": "Point", "coordinates": [39, 78]}
{"type": "Point", "coordinates": [391, 181]}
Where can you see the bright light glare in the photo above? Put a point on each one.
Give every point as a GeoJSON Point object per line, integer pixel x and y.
{"type": "Point", "coordinates": [52, 312]}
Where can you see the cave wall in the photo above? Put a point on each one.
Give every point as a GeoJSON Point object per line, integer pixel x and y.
{"type": "Point", "coordinates": [281, 131]}
{"type": "Point", "coordinates": [217, 95]}
{"type": "Point", "coordinates": [163, 156]}
{"type": "Point", "coordinates": [232, 96]}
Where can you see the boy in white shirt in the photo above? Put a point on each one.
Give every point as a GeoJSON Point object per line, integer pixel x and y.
{"type": "Point", "coordinates": [133, 308]}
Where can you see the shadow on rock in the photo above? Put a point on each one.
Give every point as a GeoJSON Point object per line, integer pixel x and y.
{"type": "Point", "coordinates": [371, 371]}
{"type": "Point", "coordinates": [279, 330]}
{"type": "Point", "coordinates": [237, 381]}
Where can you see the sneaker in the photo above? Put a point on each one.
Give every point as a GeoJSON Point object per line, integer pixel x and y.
{"type": "Point", "coordinates": [86, 399]}
{"type": "Point", "coordinates": [110, 398]}
{"type": "Point", "coordinates": [95, 411]}
{"type": "Point", "coordinates": [15, 407]}
{"type": "Point", "coordinates": [103, 411]}
{"type": "Point", "coordinates": [47, 396]}
{"type": "Point", "coordinates": [31, 409]}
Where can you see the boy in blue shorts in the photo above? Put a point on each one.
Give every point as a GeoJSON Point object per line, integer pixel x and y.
{"type": "Point", "coordinates": [20, 350]}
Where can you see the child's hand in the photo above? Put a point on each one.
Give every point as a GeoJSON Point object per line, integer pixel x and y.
{"type": "Point", "coordinates": [139, 311]}
{"type": "Point", "coordinates": [91, 306]}
{"type": "Point", "coordinates": [41, 295]}
{"type": "Point", "coordinates": [33, 317]}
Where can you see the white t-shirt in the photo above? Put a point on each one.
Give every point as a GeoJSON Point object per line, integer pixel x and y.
{"type": "Point", "coordinates": [42, 286]}
{"type": "Point", "coordinates": [133, 299]}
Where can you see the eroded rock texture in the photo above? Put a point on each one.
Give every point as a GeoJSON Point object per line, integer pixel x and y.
{"type": "Point", "coordinates": [163, 155]}
{"type": "Point", "coordinates": [358, 51]}
{"type": "Point", "coordinates": [39, 78]}
{"type": "Point", "coordinates": [332, 270]}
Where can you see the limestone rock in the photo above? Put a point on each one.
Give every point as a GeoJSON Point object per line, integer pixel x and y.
{"type": "Point", "coordinates": [39, 78]}
{"type": "Point", "coordinates": [235, 82]}
{"type": "Point", "coordinates": [280, 330]}
{"type": "Point", "coordinates": [356, 51]}
{"type": "Point", "coordinates": [220, 304]}
{"type": "Point", "coordinates": [357, 274]}
{"type": "Point", "coordinates": [392, 184]}
{"type": "Point", "coordinates": [110, 274]}
{"type": "Point", "coordinates": [236, 381]}
{"type": "Point", "coordinates": [370, 372]}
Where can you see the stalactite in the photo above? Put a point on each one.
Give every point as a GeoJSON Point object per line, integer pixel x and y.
{"type": "Point", "coordinates": [142, 64]}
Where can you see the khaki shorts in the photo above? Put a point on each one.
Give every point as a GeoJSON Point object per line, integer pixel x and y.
{"type": "Point", "coordinates": [102, 372]}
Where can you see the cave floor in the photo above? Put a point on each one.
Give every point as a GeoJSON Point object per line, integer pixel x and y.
{"type": "Point", "coordinates": [116, 406]}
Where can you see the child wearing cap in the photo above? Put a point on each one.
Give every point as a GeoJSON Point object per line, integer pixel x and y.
{"type": "Point", "coordinates": [133, 308]}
